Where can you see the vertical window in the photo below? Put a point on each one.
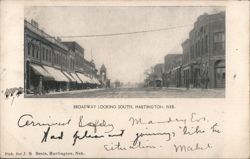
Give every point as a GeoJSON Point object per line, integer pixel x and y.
{"type": "Point", "coordinates": [219, 41]}
{"type": "Point", "coordinates": [43, 53]}
{"type": "Point", "coordinates": [199, 48]}
{"type": "Point", "coordinates": [49, 55]}
{"type": "Point", "coordinates": [37, 51]}
{"type": "Point", "coordinates": [54, 56]}
{"type": "Point", "coordinates": [46, 57]}
{"type": "Point", "coordinates": [32, 50]}
{"type": "Point", "coordinates": [29, 48]}
{"type": "Point", "coordinates": [206, 44]}
{"type": "Point", "coordinates": [202, 48]}
{"type": "Point", "coordinates": [192, 51]}
{"type": "Point", "coordinates": [195, 50]}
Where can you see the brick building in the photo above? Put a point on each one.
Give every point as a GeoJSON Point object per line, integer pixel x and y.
{"type": "Point", "coordinates": [204, 53]}
{"type": "Point", "coordinates": [53, 65]}
{"type": "Point", "coordinates": [202, 63]}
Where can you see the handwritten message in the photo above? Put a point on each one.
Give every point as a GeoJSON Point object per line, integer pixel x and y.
{"type": "Point", "coordinates": [130, 134]}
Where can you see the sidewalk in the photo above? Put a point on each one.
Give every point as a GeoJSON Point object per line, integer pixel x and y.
{"type": "Point", "coordinates": [191, 89]}
{"type": "Point", "coordinates": [69, 92]}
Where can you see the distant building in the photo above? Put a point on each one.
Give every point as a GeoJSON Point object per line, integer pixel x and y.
{"type": "Point", "coordinates": [103, 77]}
{"type": "Point", "coordinates": [172, 72]}
{"type": "Point", "coordinates": [158, 74]}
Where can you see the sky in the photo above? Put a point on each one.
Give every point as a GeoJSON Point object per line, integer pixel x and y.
{"type": "Point", "coordinates": [126, 57]}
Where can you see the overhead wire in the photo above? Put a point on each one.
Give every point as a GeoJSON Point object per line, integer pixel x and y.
{"type": "Point", "coordinates": [124, 33]}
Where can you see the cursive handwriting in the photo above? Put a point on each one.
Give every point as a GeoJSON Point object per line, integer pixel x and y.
{"type": "Point", "coordinates": [134, 134]}
{"type": "Point", "coordinates": [118, 146]}
{"type": "Point", "coordinates": [138, 121]}
{"type": "Point", "coordinates": [186, 148]}
{"type": "Point", "coordinates": [193, 118]}
{"type": "Point", "coordinates": [192, 131]}
{"type": "Point", "coordinates": [86, 135]}
{"type": "Point", "coordinates": [46, 134]}
{"type": "Point", "coordinates": [96, 124]}
{"type": "Point", "coordinates": [140, 135]}
{"type": "Point", "coordinates": [27, 120]}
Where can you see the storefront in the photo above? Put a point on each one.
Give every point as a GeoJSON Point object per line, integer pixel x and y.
{"type": "Point", "coordinates": [61, 82]}
{"type": "Point", "coordinates": [37, 79]}
{"type": "Point", "coordinates": [186, 76]}
{"type": "Point", "coordinates": [220, 74]}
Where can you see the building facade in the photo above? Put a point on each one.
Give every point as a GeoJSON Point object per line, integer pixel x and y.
{"type": "Point", "coordinates": [158, 75]}
{"type": "Point", "coordinates": [202, 62]}
{"type": "Point", "coordinates": [204, 52]}
{"type": "Point", "coordinates": [53, 65]}
{"type": "Point", "coordinates": [172, 70]}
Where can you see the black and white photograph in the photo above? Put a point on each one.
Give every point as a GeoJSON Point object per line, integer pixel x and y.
{"type": "Point", "coordinates": [124, 52]}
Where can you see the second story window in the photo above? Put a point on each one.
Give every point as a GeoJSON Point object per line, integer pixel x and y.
{"type": "Point", "coordinates": [49, 55]}
{"type": "Point", "coordinates": [202, 48]}
{"type": "Point", "coordinates": [32, 50]}
{"type": "Point", "coordinates": [219, 41]}
{"type": "Point", "coordinates": [206, 44]}
{"type": "Point", "coordinates": [46, 57]}
{"type": "Point", "coordinates": [37, 52]}
{"type": "Point", "coordinates": [29, 48]}
{"type": "Point", "coordinates": [43, 54]}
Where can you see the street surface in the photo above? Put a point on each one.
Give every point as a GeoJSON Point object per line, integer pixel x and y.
{"type": "Point", "coordinates": [137, 93]}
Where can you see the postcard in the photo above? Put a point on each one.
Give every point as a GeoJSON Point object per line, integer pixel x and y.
{"type": "Point", "coordinates": [124, 79]}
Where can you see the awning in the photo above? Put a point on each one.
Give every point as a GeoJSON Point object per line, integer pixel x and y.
{"type": "Point", "coordinates": [96, 81]}
{"type": "Point", "coordinates": [69, 76]}
{"type": "Point", "coordinates": [41, 71]}
{"type": "Point", "coordinates": [57, 74]}
{"type": "Point", "coordinates": [76, 78]}
{"type": "Point", "coordinates": [92, 81]}
{"type": "Point", "coordinates": [83, 78]}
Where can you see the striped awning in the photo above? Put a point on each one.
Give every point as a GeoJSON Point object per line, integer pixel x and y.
{"type": "Point", "coordinates": [83, 78]}
{"type": "Point", "coordinates": [69, 76]}
{"type": "Point", "coordinates": [76, 78]}
{"type": "Point", "coordinates": [41, 71]}
{"type": "Point", "coordinates": [57, 74]}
